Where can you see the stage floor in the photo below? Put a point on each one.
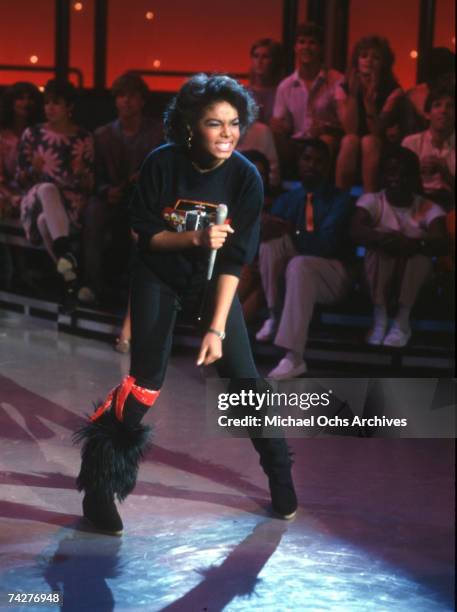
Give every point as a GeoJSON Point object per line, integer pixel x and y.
{"type": "Point", "coordinates": [374, 531]}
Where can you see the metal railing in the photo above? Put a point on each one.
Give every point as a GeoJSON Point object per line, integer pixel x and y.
{"type": "Point", "coordinates": [26, 68]}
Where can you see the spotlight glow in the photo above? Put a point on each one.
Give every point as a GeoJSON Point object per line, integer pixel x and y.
{"type": "Point", "coordinates": [149, 15]}
{"type": "Point", "coordinates": [414, 54]}
{"type": "Point", "coordinates": [33, 59]}
{"type": "Point", "coordinates": [78, 6]}
{"type": "Point", "coordinates": [156, 63]}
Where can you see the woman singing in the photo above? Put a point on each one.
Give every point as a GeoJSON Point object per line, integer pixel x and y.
{"type": "Point", "coordinates": [180, 182]}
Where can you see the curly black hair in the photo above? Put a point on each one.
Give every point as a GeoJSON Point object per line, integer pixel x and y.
{"type": "Point", "coordinates": [55, 90]}
{"type": "Point", "coordinates": [11, 94]}
{"type": "Point", "coordinates": [443, 89]}
{"type": "Point", "coordinates": [199, 92]}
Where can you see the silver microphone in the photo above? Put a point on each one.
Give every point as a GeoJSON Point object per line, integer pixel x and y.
{"type": "Point", "coordinates": [221, 216]}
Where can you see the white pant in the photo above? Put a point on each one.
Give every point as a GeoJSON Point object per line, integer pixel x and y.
{"type": "Point", "coordinates": [309, 280]}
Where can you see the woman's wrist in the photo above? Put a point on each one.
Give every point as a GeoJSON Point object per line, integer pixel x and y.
{"type": "Point", "coordinates": [220, 334]}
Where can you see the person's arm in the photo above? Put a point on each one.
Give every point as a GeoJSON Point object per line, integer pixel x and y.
{"type": "Point", "coordinates": [389, 109]}
{"type": "Point", "coordinates": [212, 237]}
{"type": "Point", "coordinates": [280, 122]}
{"type": "Point", "coordinates": [239, 249]}
{"type": "Point", "coordinates": [347, 105]}
{"type": "Point", "coordinates": [83, 164]}
{"type": "Point", "coordinates": [211, 346]}
{"type": "Point", "coordinates": [432, 164]}
{"type": "Point", "coordinates": [362, 231]}
{"type": "Point", "coordinates": [29, 164]}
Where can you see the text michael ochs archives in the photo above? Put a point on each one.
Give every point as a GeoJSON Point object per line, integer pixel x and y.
{"type": "Point", "coordinates": [248, 408]}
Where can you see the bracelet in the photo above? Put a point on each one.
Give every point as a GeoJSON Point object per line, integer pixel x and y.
{"type": "Point", "coordinates": [219, 334]}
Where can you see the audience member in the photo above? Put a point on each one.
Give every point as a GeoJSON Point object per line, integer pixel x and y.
{"type": "Point", "coordinates": [120, 148]}
{"type": "Point", "coordinates": [440, 70]}
{"type": "Point", "coordinates": [250, 290]}
{"type": "Point", "coordinates": [305, 103]}
{"type": "Point", "coordinates": [21, 107]}
{"type": "Point", "coordinates": [264, 75]}
{"type": "Point", "coordinates": [55, 163]}
{"type": "Point", "coordinates": [311, 254]}
{"type": "Point", "coordinates": [367, 101]}
{"type": "Point", "coordinates": [435, 147]}
{"type": "Point", "coordinates": [258, 137]}
{"type": "Point", "coordinates": [401, 231]}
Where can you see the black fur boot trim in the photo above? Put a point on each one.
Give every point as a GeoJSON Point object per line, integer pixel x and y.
{"type": "Point", "coordinates": [110, 454]}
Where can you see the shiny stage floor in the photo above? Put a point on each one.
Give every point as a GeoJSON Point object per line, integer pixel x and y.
{"type": "Point", "coordinates": [374, 530]}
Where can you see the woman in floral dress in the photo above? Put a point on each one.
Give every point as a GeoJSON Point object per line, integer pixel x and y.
{"type": "Point", "coordinates": [56, 164]}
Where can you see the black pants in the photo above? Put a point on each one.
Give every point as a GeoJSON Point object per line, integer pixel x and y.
{"type": "Point", "coordinates": [154, 307]}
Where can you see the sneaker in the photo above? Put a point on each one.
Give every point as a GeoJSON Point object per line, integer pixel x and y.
{"type": "Point", "coordinates": [286, 368]}
{"type": "Point", "coordinates": [122, 346]}
{"type": "Point", "coordinates": [397, 337]}
{"type": "Point", "coordinates": [66, 266]}
{"type": "Point", "coordinates": [86, 295]}
{"type": "Point", "coordinates": [267, 331]}
{"type": "Point", "coordinates": [376, 335]}
{"type": "Point", "coordinates": [102, 514]}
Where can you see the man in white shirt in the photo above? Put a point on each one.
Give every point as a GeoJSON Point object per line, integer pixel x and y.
{"type": "Point", "coordinates": [401, 231]}
{"type": "Point", "coordinates": [305, 104]}
{"type": "Point", "coordinates": [435, 147]}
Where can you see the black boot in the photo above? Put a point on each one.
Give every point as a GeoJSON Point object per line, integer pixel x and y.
{"type": "Point", "coordinates": [110, 454]}
{"type": "Point", "coordinates": [67, 267]}
{"type": "Point", "coordinates": [276, 462]}
{"type": "Point", "coordinates": [102, 513]}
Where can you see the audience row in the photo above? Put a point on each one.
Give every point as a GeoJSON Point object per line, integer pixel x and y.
{"type": "Point", "coordinates": [329, 131]}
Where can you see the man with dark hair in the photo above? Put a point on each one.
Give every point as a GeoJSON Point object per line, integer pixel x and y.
{"type": "Point", "coordinates": [120, 148]}
{"type": "Point", "coordinates": [310, 249]}
{"type": "Point", "coordinates": [305, 101]}
{"type": "Point", "coordinates": [401, 231]}
{"type": "Point", "coordinates": [440, 70]}
{"type": "Point", "coordinates": [435, 147]}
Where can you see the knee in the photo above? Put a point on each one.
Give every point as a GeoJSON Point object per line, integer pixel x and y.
{"type": "Point", "coordinates": [371, 144]}
{"type": "Point", "coordinates": [350, 142]}
{"type": "Point", "coordinates": [47, 190]}
{"type": "Point", "coordinates": [300, 266]}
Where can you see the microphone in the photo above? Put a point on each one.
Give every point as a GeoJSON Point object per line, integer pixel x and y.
{"type": "Point", "coordinates": [221, 216]}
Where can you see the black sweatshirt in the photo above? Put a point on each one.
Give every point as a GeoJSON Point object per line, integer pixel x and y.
{"type": "Point", "coordinates": [168, 176]}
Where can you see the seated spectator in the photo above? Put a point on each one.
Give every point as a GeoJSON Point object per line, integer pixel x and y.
{"type": "Point", "coordinates": [401, 231]}
{"type": "Point", "coordinates": [440, 70]}
{"type": "Point", "coordinates": [305, 105]}
{"type": "Point", "coordinates": [258, 137]}
{"type": "Point", "coordinates": [21, 107]}
{"type": "Point", "coordinates": [435, 147]}
{"type": "Point", "coordinates": [120, 148]}
{"type": "Point", "coordinates": [250, 290]}
{"type": "Point", "coordinates": [55, 163]}
{"type": "Point", "coordinates": [306, 246]}
{"type": "Point", "coordinates": [264, 75]}
{"type": "Point", "coordinates": [367, 101]}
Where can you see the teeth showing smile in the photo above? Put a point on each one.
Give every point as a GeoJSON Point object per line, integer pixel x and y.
{"type": "Point", "coordinates": [223, 146]}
